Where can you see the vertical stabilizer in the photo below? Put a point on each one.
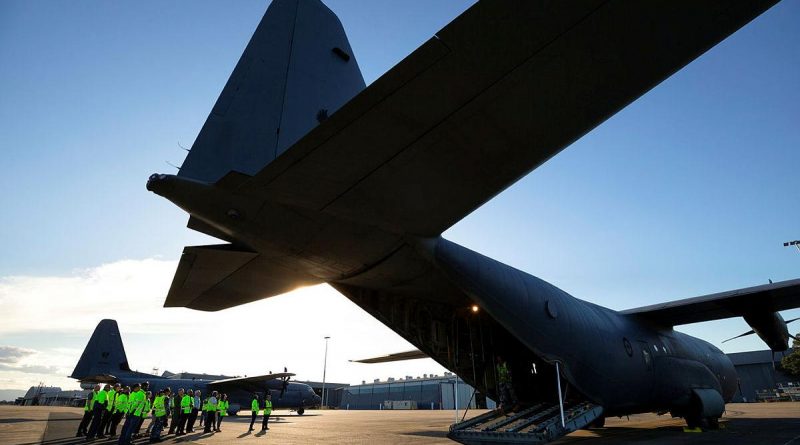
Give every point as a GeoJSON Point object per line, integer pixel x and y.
{"type": "Point", "coordinates": [104, 354]}
{"type": "Point", "coordinates": [297, 69]}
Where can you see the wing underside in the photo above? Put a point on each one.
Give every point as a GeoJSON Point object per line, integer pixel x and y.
{"type": "Point", "coordinates": [735, 303]}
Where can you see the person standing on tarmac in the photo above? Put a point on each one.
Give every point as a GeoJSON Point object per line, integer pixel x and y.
{"type": "Point", "coordinates": [135, 399]}
{"type": "Point", "coordinates": [195, 410]}
{"type": "Point", "coordinates": [160, 415]}
{"type": "Point", "coordinates": [222, 410]}
{"type": "Point", "coordinates": [211, 411]}
{"type": "Point", "coordinates": [100, 401]}
{"type": "Point", "coordinates": [253, 411]}
{"type": "Point", "coordinates": [105, 427]}
{"type": "Point", "coordinates": [120, 409]}
{"type": "Point", "coordinates": [145, 410]}
{"type": "Point", "coordinates": [267, 411]}
{"type": "Point", "coordinates": [186, 409]}
{"type": "Point", "coordinates": [175, 403]}
{"type": "Point", "coordinates": [87, 412]}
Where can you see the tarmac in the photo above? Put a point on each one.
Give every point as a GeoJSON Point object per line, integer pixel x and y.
{"type": "Point", "coordinates": [755, 423]}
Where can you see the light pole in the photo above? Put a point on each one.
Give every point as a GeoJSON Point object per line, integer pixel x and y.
{"type": "Point", "coordinates": [324, 370]}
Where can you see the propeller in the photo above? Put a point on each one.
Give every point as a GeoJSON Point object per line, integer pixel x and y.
{"type": "Point", "coordinates": [750, 332]}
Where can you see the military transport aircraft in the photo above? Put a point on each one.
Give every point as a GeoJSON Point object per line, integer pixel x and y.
{"type": "Point", "coordinates": [310, 177]}
{"type": "Point", "coordinates": [104, 361]}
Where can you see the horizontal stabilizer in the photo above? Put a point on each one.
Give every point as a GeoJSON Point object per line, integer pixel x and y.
{"type": "Point", "coordinates": [396, 357]}
{"type": "Point", "coordinates": [254, 379]}
{"type": "Point", "coordinates": [211, 278]}
{"type": "Point", "coordinates": [735, 303]}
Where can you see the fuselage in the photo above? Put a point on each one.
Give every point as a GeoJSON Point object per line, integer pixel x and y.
{"type": "Point", "coordinates": [418, 286]}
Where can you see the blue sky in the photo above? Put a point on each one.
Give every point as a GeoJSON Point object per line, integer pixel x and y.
{"type": "Point", "coordinates": [690, 190]}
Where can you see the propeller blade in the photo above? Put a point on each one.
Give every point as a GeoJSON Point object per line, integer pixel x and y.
{"type": "Point", "coordinates": [750, 332]}
{"type": "Point", "coordinates": [793, 319]}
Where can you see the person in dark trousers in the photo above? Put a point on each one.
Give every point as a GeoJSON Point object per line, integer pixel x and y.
{"type": "Point", "coordinates": [105, 427]}
{"type": "Point", "coordinates": [160, 415]}
{"type": "Point", "coordinates": [100, 402]}
{"type": "Point", "coordinates": [87, 413]}
{"type": "Point", "coordinates": [267, 411]}
{"type": "Point", "coordinates": [253, 411]}
{"type": "Point", "coordinates": [120, 409]}
{"type": "Point", "coordinates": [135, 399]}
{"type": "Point", "coordinates": [185, 410]}
{"type": "Point", "coordinates": [195, 409]}
{"type": "Point", "coordinates": [211, 412]}
{"type": "Point", "coordinates": [175, 404]}
{"type": "Point", "coordinates": [505, 388]}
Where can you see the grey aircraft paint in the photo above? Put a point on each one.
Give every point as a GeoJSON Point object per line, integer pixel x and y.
{"type": "Point", "coordinates": [104, 361]}
{"type": "Point", "coordinates": [361, 199]}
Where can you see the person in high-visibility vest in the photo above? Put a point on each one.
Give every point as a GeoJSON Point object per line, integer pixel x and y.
{"type": "Point", "coordinates": [222, 410]}
{"type": "Point", "coordinates": [267, 411]}
{"type": "Point", "coordinates": [186, 409]}
{"type": "Point", "coordinates": [120, 409]}
{"type": "Point", "coordinates": [109, 414]}
{"type": "Point", "coordinates": [195, 410]}
{"type": "Point", "coordinates": [175, 406]}
{"type": "Point", "coordinates": [87, 412]}
{"type": "Point", "coordinates": [100, 401]}
{"type": "Point", "coordinates": [160, 414]}
{"type": "Point", "coordinates": [144, 410]}
{"type": "Point", "coordinates": [135, 399]}
{"type": "Point", "coordinates": [211, 412]}
{"type": "Point", "coordinates": [253, 411]}
{"type": "Point", "coordinates": [505, 389]}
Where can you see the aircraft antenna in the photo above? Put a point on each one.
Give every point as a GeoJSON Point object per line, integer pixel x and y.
{"type": "Point", "coordinates": [172, 165]}
{"type": "Point", "coordinates": [181, 146]}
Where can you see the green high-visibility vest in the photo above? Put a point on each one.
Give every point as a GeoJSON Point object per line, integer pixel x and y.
{"type": "Point", "coordinates": [135, 400]}
{"type": "Point", "coordinates": [89, 402]}
{"type": "Point", "coordinates": [111, 398]}
{"type": "Point", "coordinates": [186, 404]}
{"type": "Point", "coordinates": [158, 405]}
{"type": "Point", "coordinates": [502, 373]}
{"type": "Point", "coordinates": [212, 403]}
{"type": "Point", "coordinates": [222, 407]}
{"type": "Point", "coordinates": [267, 407]}
{"type": "Point", "coordinates": [102, 396]}
{"type": "Point", "coordinates": [254, 405]}
{"type": "Point", "coordinates": [144, 408]}
{"type": "Point", "coordinates": [121, 403]}
{"type": "Point", "coordinates": [205, 404]}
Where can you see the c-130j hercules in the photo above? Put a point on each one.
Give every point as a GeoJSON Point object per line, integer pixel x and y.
{"type": "Point", "coordinates": [312, 178]}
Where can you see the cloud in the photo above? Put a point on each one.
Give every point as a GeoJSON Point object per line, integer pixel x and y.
{"type": "Point", "coordinates": [13, 354]}
{"type": "Point", "coordinates": [30, 369]}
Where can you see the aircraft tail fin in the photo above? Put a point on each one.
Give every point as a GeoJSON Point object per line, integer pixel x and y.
{"type": "Point", "coordinates": [104, 354]}
{"type": "Point", "coordinates": [297, 69]}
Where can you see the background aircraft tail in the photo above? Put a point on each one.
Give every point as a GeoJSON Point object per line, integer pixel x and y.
{"type": "Point", "coordinates": [297, 69]}
{"type": "Point", "coordinates": [104, 354]}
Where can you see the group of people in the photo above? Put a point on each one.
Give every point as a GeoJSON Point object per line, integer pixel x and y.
{"type": "Point", "coordinates": [106, 407]}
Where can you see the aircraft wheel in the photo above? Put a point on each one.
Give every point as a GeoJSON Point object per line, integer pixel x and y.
{"type": "Point", "coordinates": [693, 421]}
{"type": "Point", "coordinates": [301, 411]}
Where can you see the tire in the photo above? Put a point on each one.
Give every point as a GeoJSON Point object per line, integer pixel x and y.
{"type": "Point", "coordinates": [300, 411]}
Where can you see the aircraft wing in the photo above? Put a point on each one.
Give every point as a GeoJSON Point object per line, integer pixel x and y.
{"type": "Point", "coordinates": [735, 303]}
{"type": "Point", "coordinates": [493, 95]}
{"type": "Point", "coordinates": [251, 380]}
{"type": "Point", "coordinates": [215, 277]}
{"type": "Point", "coordinates": [396, 357]}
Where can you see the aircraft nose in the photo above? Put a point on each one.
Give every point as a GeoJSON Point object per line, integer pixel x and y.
{"type": "Point", "coordinates": [159, 183]}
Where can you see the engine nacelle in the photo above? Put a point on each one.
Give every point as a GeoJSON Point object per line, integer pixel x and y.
{"type": "Point", "coordinates": [771, 328]}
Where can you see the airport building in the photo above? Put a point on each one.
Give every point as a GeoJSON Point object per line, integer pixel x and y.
{"type": "Point", "coordinates": [426, 392]}
{"type": "Point", "coordinates": [760, 381]}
